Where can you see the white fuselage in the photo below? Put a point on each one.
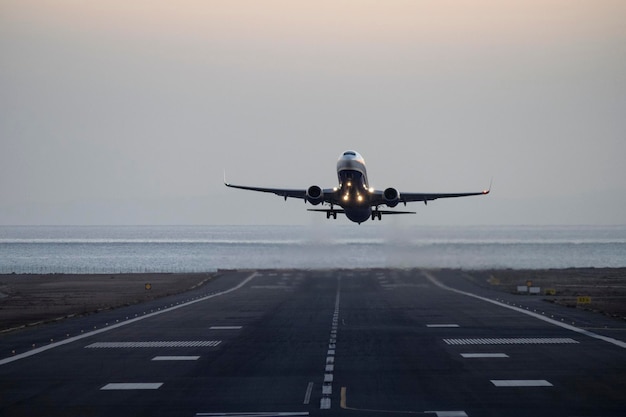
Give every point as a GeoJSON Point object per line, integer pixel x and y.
{"type": "Point", "coordinates": [354, 191]}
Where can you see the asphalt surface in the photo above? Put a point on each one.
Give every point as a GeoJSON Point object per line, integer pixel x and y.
{"type": "Point", "coordinates": [341, 342]}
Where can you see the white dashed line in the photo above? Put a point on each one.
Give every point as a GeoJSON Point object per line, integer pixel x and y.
{"type": "Point", "coordinates": [225, 328]}
{"type": "Point", "coordinates": [325, 403]}
{"type": "Point", "coordinates": [327, 387]}
{"type": "Point", "coordinates": [442, 325]}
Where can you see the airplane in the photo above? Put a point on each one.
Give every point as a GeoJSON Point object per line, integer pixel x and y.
{"type": "Point", "coordinates": [353, 195]}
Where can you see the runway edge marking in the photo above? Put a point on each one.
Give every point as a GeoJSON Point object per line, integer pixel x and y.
{"type": "Point", "coordinates": [607, 339]}
{"type": "Point", "coordinates": [115, 326]}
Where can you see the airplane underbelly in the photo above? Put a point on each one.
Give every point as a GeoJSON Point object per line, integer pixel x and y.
{"type": "Point", "coordinates": [358, 214]}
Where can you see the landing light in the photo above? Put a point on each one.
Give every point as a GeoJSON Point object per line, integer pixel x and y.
{"type": "Point", "coordinates": [359, 197]}
{"type": "Point", "coordinates": [346, 197]}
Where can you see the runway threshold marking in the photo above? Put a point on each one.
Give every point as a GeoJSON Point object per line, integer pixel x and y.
{"type": "Point", "coordinates": [158, 344]}
{"type": "Point", "coordinates": [121, 324]}
{"type": "Point", "coordinates": [484, 355]}
{"type": "Point", "coordinates": [176, 358]}
{"type": "Point", "coordinates": [521, 383]}
{"type": "Point", "coordinates": [132, 386]}
{"type": "Point", "coordinates": [607, 339]}
{"type": "Point", "coordinates": [512, 341]}
{"type": "Point", "coordinates": [255, 414]}
{"type": "Point", "coordinates": [225, 328]}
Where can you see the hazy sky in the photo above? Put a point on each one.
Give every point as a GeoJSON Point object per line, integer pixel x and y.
{"type": "Point", "coordinates": [127, 112]}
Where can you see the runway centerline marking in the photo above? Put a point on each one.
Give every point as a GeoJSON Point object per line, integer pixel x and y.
{"type": "Point", "coordinates": [607, 339]}
{"type": "Point", "coordinates": [327, 385]}
{"type": "Point", "coordinates": [121, 324]}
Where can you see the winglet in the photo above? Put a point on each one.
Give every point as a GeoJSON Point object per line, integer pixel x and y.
{"type": "Point", "coordinates": [488, 190]}
{"type": "Point", "coordinates": [225, 182]}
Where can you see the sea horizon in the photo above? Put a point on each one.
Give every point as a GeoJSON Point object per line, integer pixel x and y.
{"type": "Point", "coordinates": [206, 248]}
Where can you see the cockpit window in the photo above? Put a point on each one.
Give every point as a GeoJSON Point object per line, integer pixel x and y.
{"type": "Point", "coordinates": [349, 153]}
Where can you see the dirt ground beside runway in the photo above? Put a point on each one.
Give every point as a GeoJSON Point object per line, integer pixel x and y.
{"type": "Point", "coordinates": [27, 300]}
{"type": "Point", "coordinates": [603, 288]}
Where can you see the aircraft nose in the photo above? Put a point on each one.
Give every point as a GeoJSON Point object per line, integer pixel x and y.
{"type": "Point", "coordinates": [350, 154]}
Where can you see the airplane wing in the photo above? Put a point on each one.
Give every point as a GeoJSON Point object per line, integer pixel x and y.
{"type": "Point", "coordinates": [283, 192]}
{"type": "Point", "coordinates": [408, 197]}
{"type": "Point", "coordinates": [425, 197]}
{"type": "Point", "coordinates": [328, 194]}
{"type": "Point", "coordinates": [331, 211]}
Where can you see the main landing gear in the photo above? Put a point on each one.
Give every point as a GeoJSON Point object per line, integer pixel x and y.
{"type": "Point", "coordinates": [331, 212]}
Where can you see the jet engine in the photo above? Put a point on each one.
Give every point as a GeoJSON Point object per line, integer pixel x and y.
{"type": "Point", "coordinates": [314, 195]}
{"type": "Point", "coordinates": [391, 196]}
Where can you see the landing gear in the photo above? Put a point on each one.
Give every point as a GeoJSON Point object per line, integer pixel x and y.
{"type": "Point", "coordinates": [376, 214]}
{"type": "Point", "coordinates": [331, 212]}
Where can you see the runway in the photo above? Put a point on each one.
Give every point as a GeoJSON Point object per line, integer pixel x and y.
{"type": "Point", "coordinates": [331, 342]}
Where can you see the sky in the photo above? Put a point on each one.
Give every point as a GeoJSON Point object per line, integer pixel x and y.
{"type": "Point", "coordinates": [128, 112]}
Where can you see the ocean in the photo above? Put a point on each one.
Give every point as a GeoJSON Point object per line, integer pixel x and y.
{"type": "Point", "coordinates": [121, 249]}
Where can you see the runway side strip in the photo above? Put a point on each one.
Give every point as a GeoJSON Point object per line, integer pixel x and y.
{"type": "Point", "coordinates": [118, 325]}
{"type": "Point", "coordinates": [607, 339]}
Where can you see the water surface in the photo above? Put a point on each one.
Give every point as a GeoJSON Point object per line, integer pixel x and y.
{"type": "Point", "coordinates": [109, 249]}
